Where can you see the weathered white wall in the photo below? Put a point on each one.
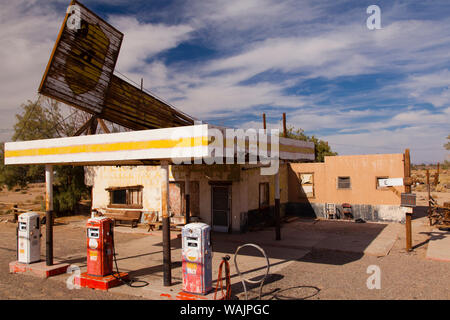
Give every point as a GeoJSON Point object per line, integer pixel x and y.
{"type": "Point", "coordinates": [244, 194]}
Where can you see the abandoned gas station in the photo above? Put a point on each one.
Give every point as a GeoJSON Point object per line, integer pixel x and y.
{"type": "Point", "coordinates": [172, 170]}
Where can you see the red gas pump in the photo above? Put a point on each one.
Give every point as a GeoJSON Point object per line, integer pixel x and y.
{"type": "Point", "coordinates": [100, 242]}
{"type": "Point", "coordinates": [100, 258]}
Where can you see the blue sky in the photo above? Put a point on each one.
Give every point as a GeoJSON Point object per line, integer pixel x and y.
{"type": "Point", "coordinates": [227, 62]}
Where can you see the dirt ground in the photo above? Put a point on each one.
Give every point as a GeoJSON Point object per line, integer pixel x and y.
{"type": "Point", "coordinates": [440, 183]}
{"type": "Point", "coordinates": [319, 274]}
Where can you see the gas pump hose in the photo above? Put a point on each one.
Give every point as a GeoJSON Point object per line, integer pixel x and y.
{"type": "Point", "coordinates": [130, 283]}
{"type": "Point", "coordinates": [227, 295]}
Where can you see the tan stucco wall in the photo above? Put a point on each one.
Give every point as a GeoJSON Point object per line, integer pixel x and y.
{"type": "Point", "coordinates": [362, 170]}
{"type": "Point", "coordinates": [112, 176]}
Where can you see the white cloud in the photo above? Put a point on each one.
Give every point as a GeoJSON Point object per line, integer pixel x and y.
{"type": "Point", "coordinates": [430, 87]}
{"type": "Point", "coordinates": [425, 144]}
{"type": "Point", "coordinates": [145, 40]}
{"type": "Point", "coordinates": [27, 33]}
{"type": "Point", "coordinates": [297, 40]}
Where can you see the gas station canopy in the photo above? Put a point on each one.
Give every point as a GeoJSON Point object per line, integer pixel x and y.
{"type": "Point", "coordinates": [141, 147]}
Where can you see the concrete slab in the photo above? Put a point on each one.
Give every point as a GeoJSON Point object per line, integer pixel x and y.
{"type": "Point", "coordinates": [100, 283]}
{"type": "Point", "coordinates": [372, 239]}
{"type": "Point", "coordinates": [439, 246]}
{"type": "Point", "coordinates": [142, 259]}
{"type": "Point", "coordinates": [380, 245]}
{"type": "Point", "coordinates": [39, 269]}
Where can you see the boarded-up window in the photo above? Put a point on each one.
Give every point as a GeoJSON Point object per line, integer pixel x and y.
{"type": "Point", "coordinates": [343, 183]}
{"type": "Point", "coordinates": [177, 205]}
{"type": "Point", "coordinates": [176, 198]}
{"type": "Point", "coordinates": [263, 195]}
{"type": "Point", "coordinates": [307, 184]}
{"type": "Point", "coordinates": [125, 197]}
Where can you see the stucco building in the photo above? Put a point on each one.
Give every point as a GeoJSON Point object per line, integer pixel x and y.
{"type": "Point", "coordinates": [233, 197]}
{"type": "Point", "coordinates": [348, 179]}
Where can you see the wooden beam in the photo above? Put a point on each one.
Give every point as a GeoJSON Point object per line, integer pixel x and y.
{"type": "Point", "coordinates": [84, 127]}
{"type": "Point", "coordinates": [93, 126]}
{"type": "Point", "coordinates": [264, 121]}
{"type": "Point", "coordinates": [284, 126]}
{"type": "Point", "coordinates": [103, 125]}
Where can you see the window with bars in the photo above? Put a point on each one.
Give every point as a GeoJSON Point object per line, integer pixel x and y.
{"type": "Point", "coordinates": [344, 183]}
{"type": "Point", "coordinates": [125, 197]}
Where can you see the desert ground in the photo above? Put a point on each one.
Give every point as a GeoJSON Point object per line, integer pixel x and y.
{"type": "Point", "coordinates": [316, 259]}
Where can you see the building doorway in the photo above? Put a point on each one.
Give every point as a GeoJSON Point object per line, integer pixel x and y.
{"type": "Point", "coordinates": [221, 207]}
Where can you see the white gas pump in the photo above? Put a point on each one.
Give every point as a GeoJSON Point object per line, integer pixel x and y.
{"type": "Point", "coordinates": [197, 258]}
{"type": "Point", "coordinates": [29, 238]}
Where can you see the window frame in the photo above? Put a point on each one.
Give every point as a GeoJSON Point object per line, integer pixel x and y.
{"type": "Point", "coordinates": [299, 176]}
{"type": "Point", "coordinates": [376, 183]}
{"type": "Point", "coordinates": [127, 205]}
{"type": "Point", "coordinates": [349, 184]}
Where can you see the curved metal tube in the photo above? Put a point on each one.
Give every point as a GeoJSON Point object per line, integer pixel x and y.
{"type": "Point", "coordinates": [248, 280]}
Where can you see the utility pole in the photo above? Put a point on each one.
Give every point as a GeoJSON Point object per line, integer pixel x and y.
{"type": "Point", "coordinates": [167, 263]}
{"type": "Point", "coordinates": [264, 121]}
{"type": "Point", "coordinates": [407, 167]}
{"type": "Point", "coordinates": [49, 214]}
{"type": "Point", "coordinates": [187, 196]}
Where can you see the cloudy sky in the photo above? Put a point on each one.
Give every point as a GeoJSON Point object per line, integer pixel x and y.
{"type": "Point", "coordinates": [228, 61]}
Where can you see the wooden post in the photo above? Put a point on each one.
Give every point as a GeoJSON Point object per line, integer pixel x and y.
{"type": "Point", "coordinates": [167, 263]}
{"type": "Point", "coordinates": [187, 196]}
{"type": "Point", "coordinates": [407, 167]}
{"type": "Point", "coordinates": [49, 214]}
{"type": "Point", "coordinates": [429, 195]}
{"type": "Point", "coordinates": [436, 176]}
{"type": "Point", "coordinates": [15, 213]}
{"type": "Point", "coordinates": [277, 207]}
{"type": "Point", "coordinates": [284, 126]}
{"type": "Point", "coordinates": [264, 121]}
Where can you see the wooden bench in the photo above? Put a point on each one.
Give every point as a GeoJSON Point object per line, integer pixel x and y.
{"type": "Point", "coordinates": [130, 217]}
{"type": "Point", "coordinates": [153, 223]}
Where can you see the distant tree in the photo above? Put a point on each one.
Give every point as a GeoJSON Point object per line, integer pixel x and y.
{"type": "Point", "coordinates": [322, 148]}
{"type": "Point", "coordinates": [43, 119]}
{"type": "Point", "coordinates": [446, 163]}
